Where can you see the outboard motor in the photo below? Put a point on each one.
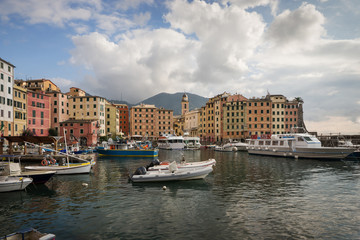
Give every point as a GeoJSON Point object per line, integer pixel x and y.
{"type": "Point", "coordinates": [153, 163]}
{"type": "Point", "coordinates": [140, 171]}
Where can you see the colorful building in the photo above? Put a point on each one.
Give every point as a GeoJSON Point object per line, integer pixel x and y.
{"type": "Point", "coordinates": [151, 122]}
{"type": "Point", "coordinates": [42, 85]}
{"type": "Point", "coordinates": [20, 110]}
{"type": "Point", "coordinates": [82, 131]}
{"type": "Point", "coordinates": [6, 98]}
{"type": "Point", "coordinates": [124, 124]}
{"type": "Point", "coordinates": [87, 108]}
{"type": "Point", "coordinates": [259, 115]}
{"type": "Point", "coordinates": [112, 120]}
{"type": "Point", "coordinates": [39, 112]}
{"type": "Point", "coordinates": [59, 109]}
{"type": "Point", "coordinates": [234, 121]}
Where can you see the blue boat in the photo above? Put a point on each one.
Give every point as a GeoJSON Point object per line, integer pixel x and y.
{"type": "Point", "coordinates": [127, 149]}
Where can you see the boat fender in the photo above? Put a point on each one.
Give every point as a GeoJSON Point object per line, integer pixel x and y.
{"type": "Point", "coordinates": [44, 162]}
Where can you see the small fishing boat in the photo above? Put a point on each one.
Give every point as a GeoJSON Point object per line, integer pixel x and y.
{"type": "Point", "coordinates": [11, 183]}
{"type": "Point", "coordinates": [173, 173]}
{"type": "Point", "coordinates": [29, 234]}
{"type": "Point", "coordinates": [12, 168]}
{"type": "Point", "coordinates": [156, 165]}
{"type": "Point", "coordinates": [70, 168]}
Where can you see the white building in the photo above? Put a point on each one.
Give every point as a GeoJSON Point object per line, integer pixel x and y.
{"type": "Point", "coordinates": [6, 97]}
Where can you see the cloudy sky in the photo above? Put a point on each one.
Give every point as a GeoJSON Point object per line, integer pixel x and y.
{"type": "Point", "coordinates": [134, 49]}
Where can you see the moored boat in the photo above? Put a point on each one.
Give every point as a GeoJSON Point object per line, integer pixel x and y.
{"type": "Point", "coordinates": [156, 165]}
{"type": "Point", "coordinates": [171, 142]}
{"type": "Point", "coordinates": [73, 168]}
{"type": "Point", "coordinates": [226, 148]}
{"type": "Point", "coordinates": [125, 149]}
{"type": "Point", "coordinates": [173, 173]}
{"type": "Point", "coordinates": [192, 143]}
{"type": "Point", "coordinates": [295, 145]}
{"type": "Point", "coordinates": [37, 176]}
{"type": "Point", "coordinates": [12, 183]}
{"type": "Point", "coordinates": [29, 234]}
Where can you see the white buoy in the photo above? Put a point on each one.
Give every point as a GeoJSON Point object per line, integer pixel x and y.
{"type": "Point", "coordinates": [164, 188]}
{"type": "Point", "coordinates": [85, 184]}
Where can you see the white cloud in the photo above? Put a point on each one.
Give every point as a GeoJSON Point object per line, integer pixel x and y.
{"type": "Point", "coordinates": [140, 65]}
{"type": "Point", "coordinates": [245, 4]}
{"type": "Point", "coordinates": [297, 30]}
{"type": "Point", "coordinates": [63, 84]}
{"type": "Point", "coordinates": [57, 12]}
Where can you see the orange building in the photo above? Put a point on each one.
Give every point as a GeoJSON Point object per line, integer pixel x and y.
{"type": "Point", "coordinates": [259, 116]}
{"type": "Point", "coordinates": [234, 121]}
{"type": "Point", "coordinates": [124, 124]}
{"type": "Point", "coordinates": [149, 121]}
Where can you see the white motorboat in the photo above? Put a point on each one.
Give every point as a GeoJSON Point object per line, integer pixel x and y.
{"type": "Point", "coordinates": [173, 173]}
{"type": "Point", "coordinates": [11, 183]}
{"type": "Point", "coordinates": [156, 165]}
{"type": "Point", "coordinates": [192, 143]}
{"type": "Point", "coordinates": [73, 168]}
{"type": "Point", "coordinates": [228, 147]}
{"type": "Point", "coordinates": [171, 142]}
{"type": "Point", "coordinates": [296, 145]}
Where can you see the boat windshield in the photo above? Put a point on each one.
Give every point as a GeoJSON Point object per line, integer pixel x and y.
{"type": "Point", "coordinates": [308, 139]}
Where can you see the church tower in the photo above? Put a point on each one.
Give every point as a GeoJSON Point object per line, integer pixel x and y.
{"type": "Point", "coordinates": [184, 104]}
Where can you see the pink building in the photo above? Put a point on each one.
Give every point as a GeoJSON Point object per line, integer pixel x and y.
{"type": "Point", "coordinates": [83, 131]}
{"type": "Point", "coordinates": [38, 112]}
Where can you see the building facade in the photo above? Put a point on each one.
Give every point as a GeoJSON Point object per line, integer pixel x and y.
{"type": "Point", "coordinates": [124, 124]}
{"type": "Point", "coordinates": [234, 121]}
{"type": "Point", "coordinates": [82, 131]}
{"type": "Point", "coordinates": [42, 85]}
{"type": "Point", "coordinates": [112, 120]}
{"type": "Point", "coordinates": [20, 110]}
{"type": "Point", "coordinates": [38, 113]}
{"type": "Point", "coordinates": [88, 108]}
{"type": "Point", "coordinates": [6, 97]}
{"type": "Point", "coordinates": [59, 110]}
{"type": "Point", "coordinates": [149, 121]}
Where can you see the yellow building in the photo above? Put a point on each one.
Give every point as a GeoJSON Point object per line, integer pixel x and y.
{"type": "Point", "coordinates": [234, 121]}
{"type": "Point", "coordinates": [44, 85]}
{"type": "Point", "coordinates": [20, 102]}
{"type": "Point", "coordinates": [211, 119]}
{"type": "Point", "coordinates": [112, 128]}
{"type": "Point", "coordinates": [278, 113]}
{"type": "Point", "coordinates": [88, 108]}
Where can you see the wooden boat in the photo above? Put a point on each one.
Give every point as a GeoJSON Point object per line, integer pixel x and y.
{"type": "Point", "coordinates": [29, 234]}
{"type": "Point", "coordinates": [37, 176]}
{"type": "Point", "coordinates": [11, 183]}
{"type": "Point", "coordinates": [173, 173]}
{"type": "Point", "coordinates": [73, 168]}
{"type": "Point", "coordinates": [156, 165]}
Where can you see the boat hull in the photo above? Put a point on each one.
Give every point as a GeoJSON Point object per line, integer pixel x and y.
{"type": "Point", "coordinates": [128, 153]}
{"type": "Point", "coordinates": [163, 166]}
{"type": "Point", "coordinates": [11, 183]}
{"type": "Point", "coordinates": [185, 174]}
{"type": "Point", "coordinates": [38, 177]}
{"type": "Point", "coordinates": [62, 170]}
{"type": "Point", "coordinates": [326, 153]}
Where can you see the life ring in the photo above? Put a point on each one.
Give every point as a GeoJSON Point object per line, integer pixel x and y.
{"type": "Point", "coordinates": [52, 161]}
{"type": "Point", "coordinates": [44, 162]}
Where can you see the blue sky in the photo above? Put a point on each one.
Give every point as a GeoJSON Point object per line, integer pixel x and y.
{"type": "Point", "coordinates": [135, 49]}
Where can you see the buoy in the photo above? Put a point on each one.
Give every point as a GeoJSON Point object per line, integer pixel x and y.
{"type": "Point", "coordinates": [85, 184]}
{"type": "Point", "coordinates": [164, 188]}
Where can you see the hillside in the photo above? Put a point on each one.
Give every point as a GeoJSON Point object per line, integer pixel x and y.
{"type": "Point", "coordinates": [170, 101]}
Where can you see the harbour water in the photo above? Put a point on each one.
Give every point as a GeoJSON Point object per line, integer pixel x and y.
{"type": "Point", "coordinates": [246, 197]}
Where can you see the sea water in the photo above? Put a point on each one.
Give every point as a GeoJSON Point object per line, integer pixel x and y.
{"type": "Point", "coordinates": [245, 197]}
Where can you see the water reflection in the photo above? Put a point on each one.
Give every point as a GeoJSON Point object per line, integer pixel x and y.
{"type": "Point", "coordinates": [246, 196]}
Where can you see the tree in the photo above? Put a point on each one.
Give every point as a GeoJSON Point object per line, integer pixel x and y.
{"type": "Point", "coordinates": [27, 132]}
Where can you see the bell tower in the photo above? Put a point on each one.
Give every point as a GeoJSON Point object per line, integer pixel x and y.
{"type": "Point", "coordinates": [184, 104]}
